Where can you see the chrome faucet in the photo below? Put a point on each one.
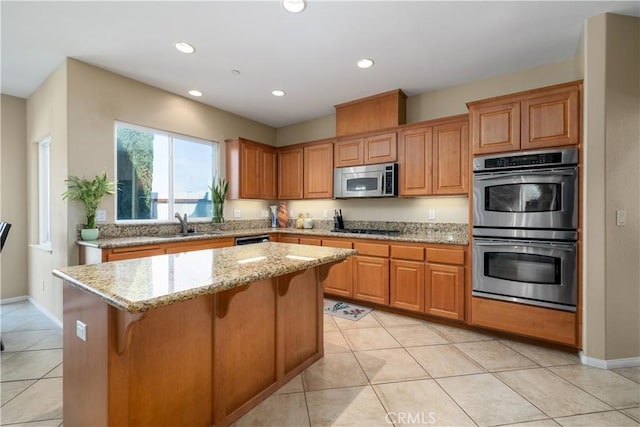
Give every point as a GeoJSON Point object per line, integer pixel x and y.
{"type": "Point", "coordinates": [183, 223]}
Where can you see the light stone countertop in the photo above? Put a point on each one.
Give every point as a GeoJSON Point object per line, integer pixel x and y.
{"type": "Point", "coordinates": [441, 237]}
{"type": "Point", "coordinates": [143, 284]}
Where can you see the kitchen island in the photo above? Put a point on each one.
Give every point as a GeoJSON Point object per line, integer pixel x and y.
{"type": "Point", "coordinates": [195, 338]}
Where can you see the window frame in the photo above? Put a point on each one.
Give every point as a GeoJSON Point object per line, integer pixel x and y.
{"type": "Point", "coordinates": [215, 165]}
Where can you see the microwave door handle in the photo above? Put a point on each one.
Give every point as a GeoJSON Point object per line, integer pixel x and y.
{"type": "Point", "coordinates": [382, 186]}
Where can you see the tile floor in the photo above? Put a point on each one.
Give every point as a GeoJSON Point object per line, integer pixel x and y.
{"type": "Point", "coordinates": [382, 370]}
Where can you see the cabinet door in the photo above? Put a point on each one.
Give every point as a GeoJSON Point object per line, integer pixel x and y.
{"type": "Point", "coordinates": [414, 162]}
{"type": "Point", "coordinates": [338, 280]}
{"type": "Point", "coordinates": [380, 148]}
{"type": "Point", "coordinates": [371, 279]}
{"type": "Point", "coordinates": [318, 171]}
{"type": "Point", "coordinates": [290, 166]}
{"type": "Point", "coordinates": [407, 285]}
{"type": "Point", "coordinates": [250, 165]}
{"type": "Point", "coordinates": [552, 119]}
{"type": "Point", "coordinates": [444, 291]}
{"type": "Point", "coordinates": [269, 180]}
{"type": "Point", "coordinates": [495, 127]}
{"type": "Point", "coordinates": [451, 158]}
{"type": "Point", "coordinates": [349, 152]}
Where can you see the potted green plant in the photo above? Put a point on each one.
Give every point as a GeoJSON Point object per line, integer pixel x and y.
{"type": "Point", "coordinates": [90, 193]}
{"type": "Point", "coordinates": [218, 188]}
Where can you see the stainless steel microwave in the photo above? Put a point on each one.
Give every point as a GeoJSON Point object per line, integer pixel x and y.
{"type": "Point", "coordinates": [366, 181]}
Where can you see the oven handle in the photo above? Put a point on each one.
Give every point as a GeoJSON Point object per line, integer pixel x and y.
{"type": "Point", "coordinates": [560, 246]}
{"type": "Point", "coordinates": [493, 175]}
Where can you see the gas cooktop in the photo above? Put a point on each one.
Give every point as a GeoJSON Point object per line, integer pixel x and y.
{"type": "Point", "coordinates": [364, 231]}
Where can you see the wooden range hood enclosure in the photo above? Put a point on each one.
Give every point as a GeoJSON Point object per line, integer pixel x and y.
{"type": "Point", "coordinates": [382, 111]}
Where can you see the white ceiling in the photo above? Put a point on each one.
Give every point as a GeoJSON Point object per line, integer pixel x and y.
{"type": "Point", "coordinates": [418, 46]}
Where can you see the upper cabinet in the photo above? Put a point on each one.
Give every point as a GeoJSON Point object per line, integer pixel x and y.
{"type": "Point", "coordinates": [290, 173]}
{"type": "Point", "coordinates": [540, 118]}
{"type": "Point", "coordinates": [434, 158]}
{"type": "Point", "coordinates": [251, 169]}
{"type": "Point", "coordinates": [381, 111]}
{"type": "Point", "coordinates": [366, 150]}
{"type": "Point", "coordinates": [318, 170]}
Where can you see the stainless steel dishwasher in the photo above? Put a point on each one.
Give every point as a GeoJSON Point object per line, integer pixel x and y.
{"type": "Point", "coordinates": [249, 240]}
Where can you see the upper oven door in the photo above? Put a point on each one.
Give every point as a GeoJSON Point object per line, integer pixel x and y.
{"type": "Point", "coordinates": [542, 198]}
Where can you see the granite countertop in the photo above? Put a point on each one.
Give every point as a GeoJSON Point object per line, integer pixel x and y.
{"type": "Point", "coordinates": [442, 237]}
{"type": "Point", "coordinates": [143, 284]}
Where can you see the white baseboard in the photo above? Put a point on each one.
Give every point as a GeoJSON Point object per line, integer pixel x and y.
{"type": "Point", "coordinates": [46, 312]}
{"type": "Point", "coordinates": [12, 300]}
{"type": "Point", "coordinates": [627, 362]}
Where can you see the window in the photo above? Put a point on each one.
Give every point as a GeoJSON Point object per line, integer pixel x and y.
{"type": "Point", "coordinates": [44, 193]}
{"type": "Point", "coordinates": [160, 173]}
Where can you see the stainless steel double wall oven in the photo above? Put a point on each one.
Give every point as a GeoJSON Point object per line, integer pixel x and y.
{"type": "Point", "coordinates": [525, 221]}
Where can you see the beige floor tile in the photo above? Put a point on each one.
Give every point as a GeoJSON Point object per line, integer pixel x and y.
{"type": "Point", "coordinates": [416, 335]}
{"type": "Point", "coordinates": [277, 410]}
{"type": "Point", "coordinates": [390, 319]}
{"type": "Point", "coordinates": [293, 386]}
{"type": "Point", "coordinates": [334, 370]}
{"type": "Point", "coordinates": [454, 335]}
{"type": "Point", "coordinates": [444, 360]}
{"type": "Point", "coordinates": [352, 406]}
{"type": "Point", "coordinates": [369, 339]}
{"type": "Point", "coordinates": [27, 323]}
{"type": "Point", "coordinates": [551, 394]}
{"type": "Point", "coordinates": [22, 340]}
{"type": "Point", "coordinates": [367, 321]}
{"type": "Point", "coordinates": [494, 356]}
{"type": "Point", "coordinates": [388, 365]}
{"type": "Point", "coordinates": [55, 372]}
{"type": "Point", "coordinates": [45, 423]}
{"type": "Point", "coordinates": [614, 389]}
{"type": "Point", "coordinates": [543, 356]}
{"type": "Point", "coordinates": [41, 401]}
{"type": "Point", "coordinates": [633, 413]}
{"type": "Point", "coordinates": [26, 365]}
{"type": "Point", "coordinates": [329, 323]}
{"type": "Point", "coordinates": [420, 403]}
{"type": "Point", "coordinates": [21, 308]}
{"type": "Point", "coordinates": [334, 343]}
{"type": "Point", "coordinates": [53, 340]}
{"type": "Point", "coordinates": [488, 401]}
{"type": "Point", "coordinates": [632, 373]}
{"type": "Point", "coordinates": [538, 423]}
{"type": "Point", "coordinates": [10, 389]}
{"type": "Point", "coordinates": [600, 419]}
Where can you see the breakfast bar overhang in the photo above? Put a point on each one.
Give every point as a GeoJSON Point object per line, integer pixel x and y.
{"type": "Point", "coordinates": [193, 339]}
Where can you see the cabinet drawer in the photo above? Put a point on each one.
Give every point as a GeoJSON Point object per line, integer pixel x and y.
{"type": "Point", "coordinates": [310, 241]}
{"type": "Point", "coordinates": [288, 239]}
{"type": "Point", "coordinates": [445, 256]}
{"type": "Point", "coordinates": [132, 249]}
{"type": "Point", "coordinates": [138, 253]}
{"type": "Point", "coordinates": [337, 244]}
{"type": "Point", "coordinates": [372, 249]}
{"type": "Point", "coordinates": [413, 253]}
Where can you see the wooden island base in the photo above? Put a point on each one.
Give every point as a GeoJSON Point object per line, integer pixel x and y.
{"type": "Point", "coordinates": [201, 362]}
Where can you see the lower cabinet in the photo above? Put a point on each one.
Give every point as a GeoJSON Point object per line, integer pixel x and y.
{"type": "Point", "coordinates": [444, 291]}
{"type": "Point", "coordinates": [339, 280]}
{"type": "Point", "coordinates": [407, 285]}
{"type": "Point", "coordinates": [371, 279]}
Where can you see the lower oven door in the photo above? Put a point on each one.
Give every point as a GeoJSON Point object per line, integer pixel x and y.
{"type": "Point", "coordinates": [540, 273]}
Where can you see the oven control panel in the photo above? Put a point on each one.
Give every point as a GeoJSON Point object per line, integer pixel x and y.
{"type": "Point", "coordinates": [530, 159]}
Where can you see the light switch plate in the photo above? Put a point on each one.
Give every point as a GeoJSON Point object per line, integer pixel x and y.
{"type": "Point", "coordinates": [432, 214]}
{"type": "Point", "coordinates": [81, 330]}
{"type": "Point", "coordinates": [101, 215]}
{"type": "Point", "coordinates": [621, 218]}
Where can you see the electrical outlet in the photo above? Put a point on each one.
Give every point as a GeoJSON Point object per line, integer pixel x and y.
{"type": "Point", "coordinates": [432, 214]}
{"type": "Point", "coordinates": [292, 213]}
{"type": "Point", "coordinates": [325, 213]}
{"type": "Point", "coordinates": [101, 215]}
{"type": "Point", "coordinates": [81, 330]}
{"type": "Point", "coordinates": [264, 214]}
{"type": "Point", "coordinates": [236, 213]}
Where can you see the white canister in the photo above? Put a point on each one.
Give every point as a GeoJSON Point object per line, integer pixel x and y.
{"type": "Point", "coordinates": [308, 222]}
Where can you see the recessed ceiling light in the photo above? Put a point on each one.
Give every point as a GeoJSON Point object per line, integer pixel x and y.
{"type": "Point", "coordinates": [294, 6]}
{"type": "Point", "coordinates": [365, 63]}
{"type": "Point", "coordinates": [184, 47]}
{"type": "Point", "coordinates": [278, 92]}
{"type": "Point", "coordinates": [194, 92]}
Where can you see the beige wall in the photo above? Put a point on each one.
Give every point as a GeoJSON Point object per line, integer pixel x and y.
{"type": "Point", "coordinates": [13, 195]}
{"type": "Point", "coordinates": [431, 105]}
{"type": "Point", "coordinates": [47, 117]}
{"type": "Point", "coordinates": [611, 267]}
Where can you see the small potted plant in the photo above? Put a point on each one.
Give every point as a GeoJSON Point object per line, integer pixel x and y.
{"type": "Point", "coordinates": [90, 193]}
{"type": "Point", "coordinates": [218, 188]}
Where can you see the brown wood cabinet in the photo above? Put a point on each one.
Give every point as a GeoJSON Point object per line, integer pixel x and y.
{"type": "Point", "coordinates": [339, 281]}
{"type": "Point", "coordinates": [539, 118]}
{"type": "Point", "coordinates": [290, 173]}
{"type": "Point", "coordinates": [444, 283]}
{"type": "Point", "coordinates": [406, 285]}
{"type": "Point", "coordinates": [371, 272]}
{"type": "Point", "coordinates": [366, 150]}
{"type": "Point", "coordinates": [380, 111]}
{"type": "Point", "coordinates": [318, 170]}
{"type": "Point", "coordinates": [250, 169]}
{"type": "Point", "coordinates": [434, 158]}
